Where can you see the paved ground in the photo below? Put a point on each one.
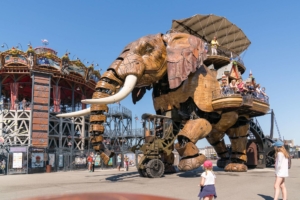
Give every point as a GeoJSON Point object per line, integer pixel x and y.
{"type": "Point", "coordinates": [255, 184]}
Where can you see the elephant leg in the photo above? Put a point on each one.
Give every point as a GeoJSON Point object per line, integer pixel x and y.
{"type": "Point", "coordinates": [238, 138]}
{"type": "Point", "coordinates": [215, 137]}
{"type": "Point", "coordinates": [192, 131]}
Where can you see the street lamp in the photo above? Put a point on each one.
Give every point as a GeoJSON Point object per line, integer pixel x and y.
{"type": "Point", "coordinates": [76, 57]}
{"type": "Point", "coordinates": [19, 45]}
{"type": "Point", "coordinates": [5, 45]}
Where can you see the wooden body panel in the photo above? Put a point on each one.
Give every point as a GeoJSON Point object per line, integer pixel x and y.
{"type": "Point", "coordinates": [227, 102]}
{"type": "Point", "coordinates": [198, 86]}
{"type": "Point", "coordinates": [256, 108]}
{"type": "Point", "coordinates": [260, 106]}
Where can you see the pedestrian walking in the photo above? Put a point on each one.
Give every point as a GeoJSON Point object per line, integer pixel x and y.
{"type": "Point", "coordinates": [90, 160]}
{"type": "Point", "coordinates": [119, 162]}
{"type": "Point", "coordinates": [281, 170]}
{"type": "Point", "coordinates": [207, 183]}
{"type": "Point", "coordinates": [93, 162]}
{"type": "Point", "coordinates": [126, 159]}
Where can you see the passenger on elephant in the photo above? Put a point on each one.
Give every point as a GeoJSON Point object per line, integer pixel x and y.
{"type": "Point", "coordinates": [266, 97]}
{"type": "Point", "coordinates": [206, 47]}
{"type": "Point", "coordinates": [159, 129]}
{"type": "Point", "coordinates": [214, 46]}
{"type": "Point", "coordinates": [233, 86]}
{"type": "Point", "coordinates": [242, 87]}
{"type": "Point", "coordinates": [259, 93]}
{"type": "Point", "coordinates": [251, 89]}
{"type": "Point", "coordinates": [224, 87]}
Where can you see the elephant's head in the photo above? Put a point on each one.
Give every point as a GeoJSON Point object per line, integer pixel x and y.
{"type": "Point", "coordinates": [144, 62]}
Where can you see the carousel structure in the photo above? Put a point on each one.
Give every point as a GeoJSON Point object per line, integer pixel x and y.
{"type": "Point", "coordinates": [35, 86]}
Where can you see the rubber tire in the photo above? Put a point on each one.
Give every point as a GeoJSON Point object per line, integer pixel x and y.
{"type": "Point", "coordinates": [155, 168]}
{"type": "Point", "coordinates": [142, 172]}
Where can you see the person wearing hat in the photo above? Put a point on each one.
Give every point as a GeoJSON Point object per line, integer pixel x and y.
{"type": "Point", "coordinates": [207, 183]}
{"type": "Point", "coordinates": [281, 170]}
{"type": "Point", "coordinates": [224, 85]}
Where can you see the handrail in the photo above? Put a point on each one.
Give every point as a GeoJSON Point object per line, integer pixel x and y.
{"type": "Point", "coordinates": [229, 92]}
{"type": "Point", "coordinates": [223, 51]}
{"type": "Point", "coordinates": [226, 92]}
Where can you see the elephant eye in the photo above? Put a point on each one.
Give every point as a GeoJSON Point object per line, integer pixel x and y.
{"type": "Point", "coordinates": [149, 49]}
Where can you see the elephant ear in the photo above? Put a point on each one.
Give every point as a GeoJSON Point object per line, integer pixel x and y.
{"type": "Point", "coordinates": [185, 53]}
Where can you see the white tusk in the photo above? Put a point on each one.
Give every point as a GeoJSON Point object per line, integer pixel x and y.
{"type": "Point", "coordinates": [76, 114]}
{"type": "Point", "coordinates": [129, 85]}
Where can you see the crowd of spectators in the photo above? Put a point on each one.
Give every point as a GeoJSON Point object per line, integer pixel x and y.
{"type": "Point", "coordinates": [247, 87]}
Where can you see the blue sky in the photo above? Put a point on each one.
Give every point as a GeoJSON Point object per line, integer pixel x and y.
{"type": "Point", "coordinates": [98, 30]}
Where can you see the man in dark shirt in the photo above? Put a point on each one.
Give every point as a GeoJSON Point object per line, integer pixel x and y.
{"type": "Point", "coordinates": [159, 130]}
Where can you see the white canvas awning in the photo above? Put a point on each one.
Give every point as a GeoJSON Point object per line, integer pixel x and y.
{"type": "Point", "coordinates": [207, 26]}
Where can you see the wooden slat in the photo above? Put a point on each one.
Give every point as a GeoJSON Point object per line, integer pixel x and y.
{"type": "Point", "coordinates": [40, 121]}
{"type": "Point", "coordinates": [40, 107]}
{"type": "Point", "coordinates": [37, 142]}
{"type": "Point", "coordinates": [41, 94]}
{"type": "Point", "coordinates": [37, 135]}
{"type": "Point", "coordinates": [41, 88]}
{"type": "Point", "coordinates": [43, 127]}
{"type": "Point", "coordinates": [40, 114]}
{"type": "Point", "coordinates": [40, 100]}
{"type": "Point", "coordinates": [41, 80]}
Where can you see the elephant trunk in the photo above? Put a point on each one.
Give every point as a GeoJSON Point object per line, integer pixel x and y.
{"type": "Point", "coordinates": [107, 91]}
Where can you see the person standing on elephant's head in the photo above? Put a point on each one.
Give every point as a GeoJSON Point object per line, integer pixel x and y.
{"type": "Point", "coordinates": [281, 170]}
{"type": "Point", "coordinates": [214, 46]}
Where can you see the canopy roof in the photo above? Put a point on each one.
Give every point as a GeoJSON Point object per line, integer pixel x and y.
{"type": "Point", "coordinates": [207, 26]}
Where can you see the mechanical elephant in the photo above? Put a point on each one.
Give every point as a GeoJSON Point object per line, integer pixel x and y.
{"type": "Point", "coordinates": [171, 64]}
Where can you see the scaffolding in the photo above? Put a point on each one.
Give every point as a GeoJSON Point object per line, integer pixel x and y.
{"type": "Point", "coordinates": [119, 135]}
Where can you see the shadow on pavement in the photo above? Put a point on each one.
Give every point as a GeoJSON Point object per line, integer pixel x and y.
{"type": "Point", "coordinates": [123, 176]}
{"type": "Point", "coordinates": [189, 174]}
{"type": "Point", "coordinates": [265, 197]}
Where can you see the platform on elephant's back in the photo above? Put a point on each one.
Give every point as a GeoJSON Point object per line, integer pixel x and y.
{"type": "Point", "coordinates": [219, 61]}
{"type": "Point", "coordinates": [241, 104]}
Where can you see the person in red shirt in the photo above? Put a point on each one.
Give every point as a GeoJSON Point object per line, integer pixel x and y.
{"type": "Point", "coordinates": [90, 160]}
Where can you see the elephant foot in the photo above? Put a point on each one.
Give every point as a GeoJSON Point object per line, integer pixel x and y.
{"type": "Point", "coordinates": [106, 155]}
{"type": "Point", "coordinates": [169, 169]}
{"type": "Point", "coordinates": [187, 164]}
{"type": "Point", "coordinates": [236, 167]}
{"type": "Point", "coordinates": [221, 163]}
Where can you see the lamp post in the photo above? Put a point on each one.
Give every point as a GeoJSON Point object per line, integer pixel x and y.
{"type": "Point", "coordinates": [19, 45]}
{"type": "Point", "coordinates": [76, 57]}
{"type": "Point", "coordinates": [5, 45]}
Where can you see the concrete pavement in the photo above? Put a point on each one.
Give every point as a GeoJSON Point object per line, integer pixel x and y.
{"type": "Point", "coordinates": [255, 184]}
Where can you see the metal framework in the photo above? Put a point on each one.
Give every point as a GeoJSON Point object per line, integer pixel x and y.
{"type": "Point", "coordinates": [118, 134]}
{"type": "Point", "coordinates": [66, 133]}
{"type": "Point", "coordinates": [15, 126]}
{"type": "Point", "coordinates": [71, 133]}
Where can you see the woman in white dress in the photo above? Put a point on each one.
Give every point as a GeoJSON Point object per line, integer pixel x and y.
{"type": "Point", "coordinates": [281, 170]}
